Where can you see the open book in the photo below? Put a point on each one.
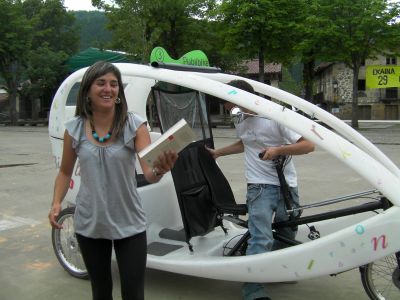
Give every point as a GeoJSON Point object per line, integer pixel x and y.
{"type": "Point", "coordinates": [176, 138]}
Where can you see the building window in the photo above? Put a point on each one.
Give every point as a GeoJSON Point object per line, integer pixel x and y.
{"type": "Point", "coordinates": [361, 84]}
{"type": "Point", "coordinates": [391, 93]}
{"type": "Point", "coordinates": [391, 60]}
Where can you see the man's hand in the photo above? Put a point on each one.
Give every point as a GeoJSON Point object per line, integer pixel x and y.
{"type": "Point", "coordinates": [213, 152]}
{"type": "Point", "coordinates": [270, 153]}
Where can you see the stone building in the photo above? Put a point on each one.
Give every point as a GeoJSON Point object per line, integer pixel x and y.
{"type": "Point", "coordinates": [334, 85]}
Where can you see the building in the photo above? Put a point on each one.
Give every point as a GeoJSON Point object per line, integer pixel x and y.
{"type": "Point", "coordinates": [334, 89]}
{"type": "Point", "coordinates": [249, 69]}
{"type": "Point", "coordinates": [272, 72]}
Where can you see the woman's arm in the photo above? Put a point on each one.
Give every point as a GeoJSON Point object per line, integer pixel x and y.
{"type": "Point", "coordinates": [63, 179]}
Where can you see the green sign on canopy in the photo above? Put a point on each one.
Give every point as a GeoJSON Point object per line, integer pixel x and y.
{"type": "Point", "coordinates": [193, 58]}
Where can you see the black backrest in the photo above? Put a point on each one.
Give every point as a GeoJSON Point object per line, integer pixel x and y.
{"type": "Point", "coordinates": [222, 195]}
{"type": "Point", "coordinates": [199, 214]}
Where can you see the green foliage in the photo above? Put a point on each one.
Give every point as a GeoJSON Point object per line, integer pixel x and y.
{"type": "Point", "coordinates": [45, 71]}
{"type": "Point", "coordinates": [262, 27]}
{"type": "Point", "coordinates": [15, 37]}
{"type": "Point", "coordinates": [289, 83]}
{"type": "Point", "coordinates": [15, 41]}
{"type": "Point", "coordinates": [139, 26]}
{"type": "Point", "coordinates": [92, 28]}
{"type": "Point", "coordinates": [52, 25]}
{"type": "Point", "coordinates": [355, 30]}
{"type": "Point", "coordinates": [36, 37]}
{"type": "Point", "coordinates": [54, 40]}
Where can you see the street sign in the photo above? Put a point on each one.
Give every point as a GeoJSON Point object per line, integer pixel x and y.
{"type": "Point", "coordinates": [379, 77]}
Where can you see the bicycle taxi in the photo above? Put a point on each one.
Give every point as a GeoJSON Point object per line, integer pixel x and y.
{"type": "Point", "coordinates": [195, 225]}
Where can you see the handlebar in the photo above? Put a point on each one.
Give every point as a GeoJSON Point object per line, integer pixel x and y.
{"type": "Point", "coordinates": [278, 160]}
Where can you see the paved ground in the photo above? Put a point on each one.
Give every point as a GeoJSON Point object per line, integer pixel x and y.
{"type": "Point", "coordinates": [29, 269]}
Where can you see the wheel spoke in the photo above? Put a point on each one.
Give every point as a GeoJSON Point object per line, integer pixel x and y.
{"type": "Point", "coordinates": [378, 279]}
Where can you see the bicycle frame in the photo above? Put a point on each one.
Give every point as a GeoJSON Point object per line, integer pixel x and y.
{"type": "Point", "coordinates": [368, 237]}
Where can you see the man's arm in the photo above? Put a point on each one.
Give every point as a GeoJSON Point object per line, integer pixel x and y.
{"type": "Point", "coordinates": [234, 148]}
{"type": "Point", "coordinates": [302, 146]}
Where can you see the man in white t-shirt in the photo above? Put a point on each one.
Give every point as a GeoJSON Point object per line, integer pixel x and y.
{"type": "Point", "coordinates": [264, 198]}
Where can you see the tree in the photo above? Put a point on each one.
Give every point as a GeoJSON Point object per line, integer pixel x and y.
{"type": "Point", "coordinates": [92, 29]}
{"type": "Point", "coordinates": [288, 83]}
{"type": "Point", "coordinates": [46, 69]}
{"type": "Point", "coordinates": [210, 39]}
{"type": "Point", "coordinates": [355, 30]}
{"type": "Point", "coordinates": [52, 25]}
{"type": "Point", "coordinates": [138, 26]}
{"type": "Point", "coordinates": [36, 37]}
{"type": "Point", "coordinates": [308, 47]}
{"type": "Point", "coordinates": [262, 28]}
{"type": "Point", "coordinates": [55, 38]}
{"type": "Point", "coordinates": [15, 42]}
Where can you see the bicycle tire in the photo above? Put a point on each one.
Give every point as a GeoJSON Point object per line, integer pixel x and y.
{"type": "Point", "coordinates": [65, 245]}
{"type": "Point", "coordinates": [381, 279]}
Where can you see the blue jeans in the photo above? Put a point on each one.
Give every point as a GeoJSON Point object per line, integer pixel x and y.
{"type": "Point", "coordinates": [263, 200]}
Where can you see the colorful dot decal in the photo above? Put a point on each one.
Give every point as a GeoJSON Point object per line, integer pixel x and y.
{"type": "Point", "coordinates": [232, 92]}
{"type": "Point", "coordinates": [360, 229]}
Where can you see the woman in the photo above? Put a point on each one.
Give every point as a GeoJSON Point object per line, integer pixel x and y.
{"type": "Point", "coordinates": [105, 138]}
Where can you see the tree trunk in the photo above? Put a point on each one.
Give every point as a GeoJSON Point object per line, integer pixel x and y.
{"type": "Point", "coordinates": [13, 107]}
{"type": "Point", "coordinates": [308, 79]}
{"type": "Point", "coordinates": [12, 84]}
{"type": "Point", "coordinates": [173, 40]}
{"type": "Point", "coordinates": [261, 64]}
{"type": "Point", "coordinates": [354, 113]}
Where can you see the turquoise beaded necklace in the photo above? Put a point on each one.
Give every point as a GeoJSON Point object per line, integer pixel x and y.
{"type": "Point", "coordinates": [101, 139]}
{"type": "Point", "coordinates": [98, 138]}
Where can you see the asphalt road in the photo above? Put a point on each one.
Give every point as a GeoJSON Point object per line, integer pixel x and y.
{"type": "Point", "coordinates": [30, 270]}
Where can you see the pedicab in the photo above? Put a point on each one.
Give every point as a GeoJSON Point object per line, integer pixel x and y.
{"type": "Point", "coordinates": [195, 225]}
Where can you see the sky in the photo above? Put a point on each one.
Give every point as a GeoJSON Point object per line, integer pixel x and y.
{"type": "Point", "coordinates": [78, 5]}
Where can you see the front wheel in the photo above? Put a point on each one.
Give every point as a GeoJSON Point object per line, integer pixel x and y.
{"type": "Point", "coordinates": [381, 278]}
{"type": "Point", "coordinates": [66, 246]}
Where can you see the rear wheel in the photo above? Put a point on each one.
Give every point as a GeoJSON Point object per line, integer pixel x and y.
{"type": "Point", "coordinates": [66, 246]}
{"type": "Point", "coordinates": [381, 278]}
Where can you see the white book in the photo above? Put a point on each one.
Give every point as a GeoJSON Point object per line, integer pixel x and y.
{"type": "Point", "coordinates": [175, 138]}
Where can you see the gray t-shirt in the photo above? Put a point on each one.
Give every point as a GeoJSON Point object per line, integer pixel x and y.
{"type": "Point", "coordinates": [107, 205]}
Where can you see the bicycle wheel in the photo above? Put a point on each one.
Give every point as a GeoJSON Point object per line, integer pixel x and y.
{"type": "Point", "coordinates": [381, 278]}
{"type": "Point", "coordinates": [66, 246]}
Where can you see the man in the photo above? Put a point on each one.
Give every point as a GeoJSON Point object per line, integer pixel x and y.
{"type": "Point", "coordinates": [264, 198]}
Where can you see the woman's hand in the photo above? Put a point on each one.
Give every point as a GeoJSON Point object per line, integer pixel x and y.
{"type": "Point", "coordinates": [53, 215]}
{"type": "Point", "coordinates": [165, 162]}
